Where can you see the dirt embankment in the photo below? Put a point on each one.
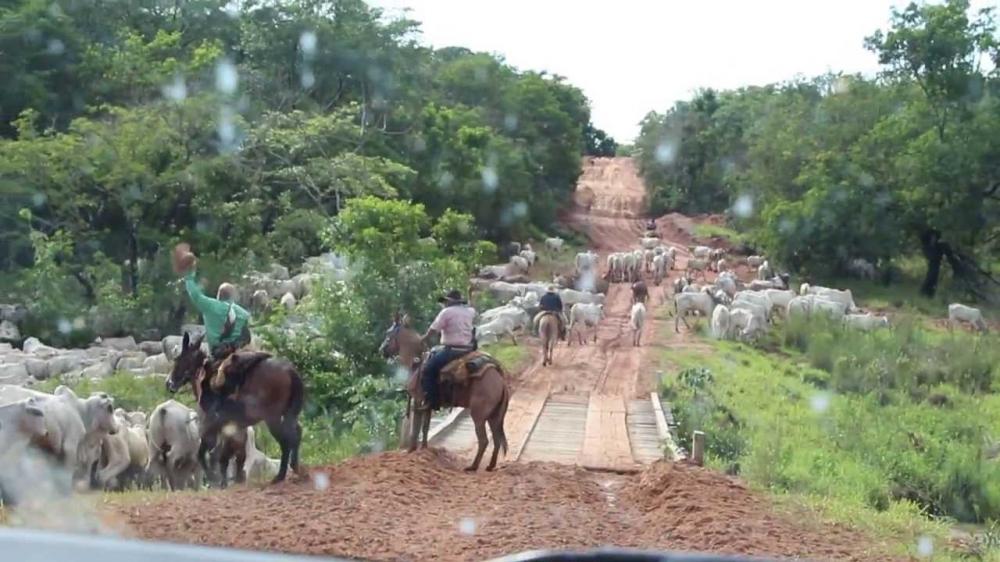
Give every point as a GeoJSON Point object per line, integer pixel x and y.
{"type": "Point", "coordinates": [395, 506]}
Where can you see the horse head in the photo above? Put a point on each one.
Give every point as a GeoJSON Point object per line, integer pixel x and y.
{"type": "Point", "coordinates": [399, 337]}
{"type": "Point", "coordinates": [187, 364]}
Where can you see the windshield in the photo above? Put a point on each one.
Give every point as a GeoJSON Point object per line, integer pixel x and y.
{"type": "Point", "coordinates": [414, 279]}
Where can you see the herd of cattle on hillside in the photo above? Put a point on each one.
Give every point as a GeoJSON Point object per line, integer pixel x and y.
{"type": "Point", "coordinates": [65, 442]}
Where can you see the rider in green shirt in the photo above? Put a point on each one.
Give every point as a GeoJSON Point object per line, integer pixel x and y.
{"type": "Point", "coordinates": [227, 324]}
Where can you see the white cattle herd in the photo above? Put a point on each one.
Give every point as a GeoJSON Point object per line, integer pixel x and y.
{"type": "Point", "coordinates": [85, 442]}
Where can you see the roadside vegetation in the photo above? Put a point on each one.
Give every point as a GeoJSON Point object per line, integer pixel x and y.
{"type": "Point", "coordinates": [893, 431]}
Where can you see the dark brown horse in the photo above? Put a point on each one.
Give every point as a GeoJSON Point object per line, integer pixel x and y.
{"type": "Point", "coordinates": [485, 396]}
{"type": "Point", "coordinates": [269, 390]}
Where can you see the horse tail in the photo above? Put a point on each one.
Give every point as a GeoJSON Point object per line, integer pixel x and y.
{"type": "Point", "coordinates": [500, 412]}
{"type": "Point", "coordinates": [296, 397]}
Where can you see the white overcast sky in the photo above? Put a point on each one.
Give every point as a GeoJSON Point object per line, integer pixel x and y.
{"type": "Point", "coordinates": [633, 56]}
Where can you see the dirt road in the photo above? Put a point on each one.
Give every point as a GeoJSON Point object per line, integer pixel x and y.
{"type": "Point", "coordinates": [422, 506]}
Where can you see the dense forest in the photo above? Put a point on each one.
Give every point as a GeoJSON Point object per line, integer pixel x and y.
{"type": "Point", "coordinates": [819, 172]}
{"type": "Point", "coordinates": [246, 128]}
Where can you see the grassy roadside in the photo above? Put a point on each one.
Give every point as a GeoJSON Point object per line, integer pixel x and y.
{"type": "Point", "coordinates": [828, 425]}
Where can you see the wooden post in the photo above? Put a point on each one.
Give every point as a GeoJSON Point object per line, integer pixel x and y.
{"type": "Point", "coordinates": [698, 448]}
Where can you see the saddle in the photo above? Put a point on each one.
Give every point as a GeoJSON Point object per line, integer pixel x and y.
{"type": "Point", "coordinates": [467, 367]}
{"type": "Point", "coordinates": [233, 370]}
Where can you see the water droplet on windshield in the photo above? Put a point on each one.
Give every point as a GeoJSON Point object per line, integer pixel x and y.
{"type": "Point", "coordinates": [321, 481]}
{"type": "Point", "coordinates": [820, 402]}
{"type": "Point", "coordinates": [176, 90]}
{"type": "Point", "coordinates": [79, 323]}
{"type": "Point", "coordinates": [445, 179]}
{"type": "Point", "coordinates": [467, 526]}
{"type": "Point", "coordinates": [519, 209]}
{"type": "Point", "coordinates": [55, 47]}
{"type": "Point", "coordinates": [308, 78]}
{"type": "Point", "coordinates": [307, 42]}
{"type": "Point", "coordinates": [665, 152]}
{"type": "Point", "coordinates": [227, 78]}
{"type": "Point", "coordinates": [841, 85]}
{"type": "Point", "coordinates": [38, 199]}
{"type": "Point", "coordinates": [743, 207]}
{"type": "Point", "coordinates": [510, 122]}
{"type": "Point", "coordinates": [401, 375]}
{"type": "Point", "coordinates": [925, 547]}
{"type": "Point", "coordinates": [226, 128]}
{"type": "Point", "coordinates": [64, 326]}
{"type": "Point", "coordinates": [490, 179]}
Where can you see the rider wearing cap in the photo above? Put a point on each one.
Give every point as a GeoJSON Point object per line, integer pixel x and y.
{"type": "Point", "coordinates": [552, 303]}
{"type": "Point", "coordinates": [455, 324]}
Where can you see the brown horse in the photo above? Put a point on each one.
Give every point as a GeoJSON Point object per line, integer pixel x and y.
{"type": "Point", "coordinates": [486, 396]}
{"type": "Point", "coordinates": [269, 390]}
{"type": "Point", "coordinates": [548, 328]}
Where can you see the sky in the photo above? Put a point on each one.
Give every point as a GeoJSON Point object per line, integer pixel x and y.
{"type": "Point", "coordinates": [635, 56]}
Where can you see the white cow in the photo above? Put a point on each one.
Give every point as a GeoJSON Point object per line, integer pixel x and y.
{"type": "Point", "coordinates": [845, 297]}
{"type": "Point", "coordinates": [701, 252]}
{"type": "Point", "coordinates": [647, 258]}
{"type": "Point", "coordinates": [764, 271]}
{"type": "Point", "coordinates": [726, 282]}
{"type": "Point", "coordinates": [637, 317]}
{"type": "Point", "coordinates": [800, 306]}
{"type": "Point", "coordinates": [697, 264]}
{"type": "Point", "coordinates": [862, 268]}
{"type": "Point", "coordinates": [648, 242]}
{"type": "Point", "coordinates": [834, 310]}
{"type": "Point", "coordinates": [720, 322]}
{"type": "Point", "coordinates": [125, 454]}
{"type": "Point", "coordinates": [173, 445]}
{"type": "Point", "coordinates": [571, 297]}
{"type": "Point", "coordinates": [529, 255]}
{"type": "Point", "coordinates": [288, 301]}
{"type": "Point", "coordinates": [759, 299]}
{"type": "Point", "coordinates": [659, 268]}
{"type": "Point", "coordinates": [960, 313]}
{"type": "Point", "coordinates": [865, 322]}
{"type": "Point", "coordinates": [21, 423]}
{"type": "Point", "coordinates": [519, 264]}
{"type": "Point", "coordinates": [755, 261]}
{"type": "Point", "coordinates": [744, 324]}
{"type": "Point", "coordinates": [505, 290]}
{"type": "Point", "coordinates": [503, 323]}
{"type": "Point", "coordinates": [589, 314]}
{"type": "Point", "coordinates": [258, 467]}
{"type": "Point", "coordinates": [494, 271]}
{"type": "Point", "coordinates": [779, 298]}
{"type": "Point", "coordinates": [554, 244]}
{"type": "Point", "coordinates": [703, 302]}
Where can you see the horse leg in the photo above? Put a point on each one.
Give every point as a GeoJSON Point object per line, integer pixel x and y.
{"type": "Point", "coordinates": [278, 431]}
{"type": "Point", "coordinates": [294, 460]}
{"type": "Point", "coordinates": [416, 421]}
{"type": "Point", "coordinates": [426, 428]}
{"type": "Point", "coordinates": [224, 459]}
{"type": "Point", "coordinates": [496, 428]}
{"type": "Point", "coordinates": [241, 463]}
{"type": "Point", "coordinates": [482, 439]}
{"type": "Point", "coordinates": [208, 442]}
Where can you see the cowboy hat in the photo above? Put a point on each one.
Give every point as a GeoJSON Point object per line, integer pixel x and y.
{"type": "Point", "coordinates": [451, 297]}
{"type": "Point", "coordinates": [552, 288]}
{"type": "Point", "coordinates": [183, 260]}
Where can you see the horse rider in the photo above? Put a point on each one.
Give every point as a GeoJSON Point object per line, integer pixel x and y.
{"type": "Point", "coordinates": [455, 324]}
{"type": "Point", "coordinates": [551, 303]}
{"type": "Point", "coordinates": [639, 292]}
{"type": "Point", "coordinates": [227, 324]}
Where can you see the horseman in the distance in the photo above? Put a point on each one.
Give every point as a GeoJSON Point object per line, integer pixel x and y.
{"type": "Point", "coordinates": [551, 303]}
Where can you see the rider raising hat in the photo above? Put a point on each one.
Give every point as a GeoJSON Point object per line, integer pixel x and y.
{"type": "Point", "coordinates": [551, 303]}
{"type": "Point", "coordinates": [455, 324]}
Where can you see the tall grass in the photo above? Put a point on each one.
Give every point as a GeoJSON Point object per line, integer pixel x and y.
{"type": "Point", "coordinates": [900, 417]}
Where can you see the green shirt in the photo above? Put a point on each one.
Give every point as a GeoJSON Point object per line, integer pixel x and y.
{"type": "Point", "coordinates": [215, 312]}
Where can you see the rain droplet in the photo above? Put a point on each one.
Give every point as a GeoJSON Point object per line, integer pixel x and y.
{"type": "Point", "coordinates": [665, 152]}
{"type": "Point", "coordinates": [841, 85]}
{"type": "Point", "coordinates": [55, 10]}
{"type": "Point", "coordinates": [55, 47]}
{"type": "Point", "coordinates": [418, 144]}
{"type": "Point", "coordinates": [490, 179]}
{"type": "Point", "coordinates": [586, 281]}
{"type": "Point", "coordinates": [519, 209]}
{"type": "Point", "coordinates": [225, 128]}
{"type": "Point", "coordinates": [307, 42]}
{"type": "Point", "coordinates": [176, 90]}
{"type": "Point", "coordinates": [445, 179]}
{"type": "Point", "coordinates": [510, 122]}
{"type": "Point", "coordinates": [401, 375]}
{"type": "Point", "coordinates": [467, 526]}
{"type": "Point", "coordinates": [480, 75]}
{"type": "Point", "coordinates": [79, 323]}
{"type": "Point", "coordinates": [38, 199]}
{"type": "Point", "coordinates": [743, 207]}
{"type": "Point", "coordinates": [308, 78]}
{"type": "Point", "coordinates": [820, 402]}
{"type": "Point", "coordinates": [232, 10]}
{"type": "Point", "coordinates": [925, 547]}
{"type": "Point", "coordinates": [321, 481]}
{"type": "Point", "coordinates": [226, 77]}
{"type": "Point", "coordinates": [376, 446]}
{"type": "Point", "coordinates": [64, 326]}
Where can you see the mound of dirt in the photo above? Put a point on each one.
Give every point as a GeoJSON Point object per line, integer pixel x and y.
{"type": "Point", "coordinates": [693, 508]}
